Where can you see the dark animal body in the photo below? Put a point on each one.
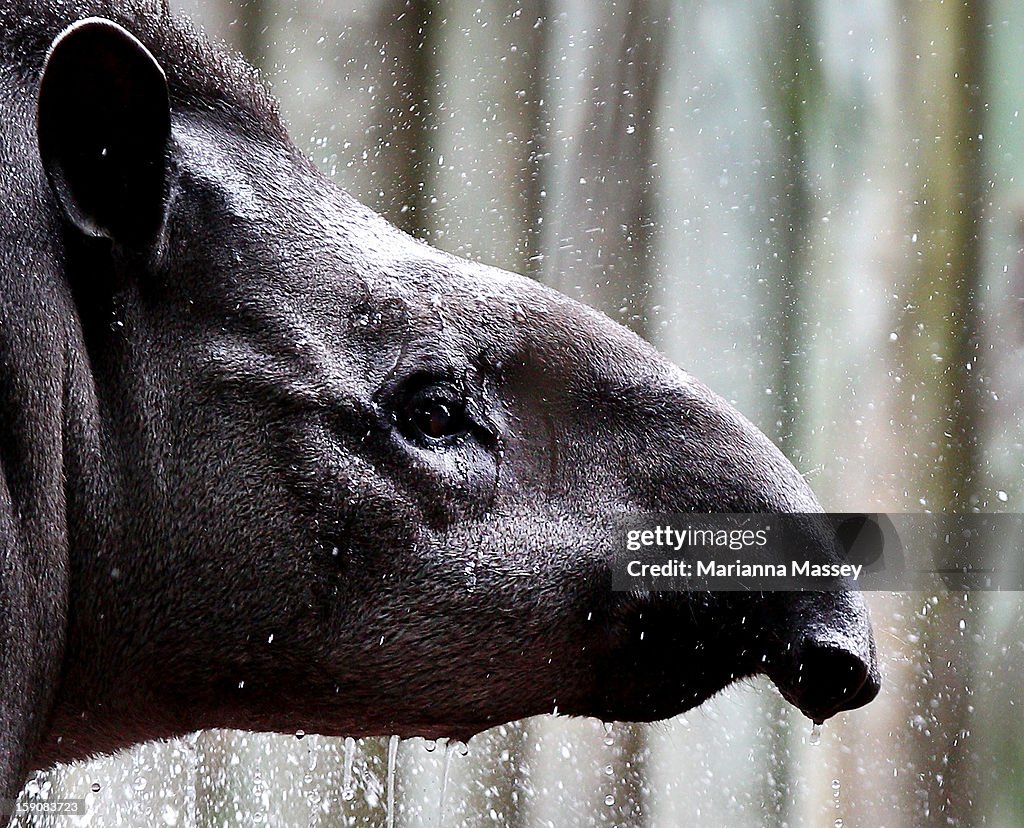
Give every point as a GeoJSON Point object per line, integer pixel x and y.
{"type": "Point", "coordinates": [268, 463]}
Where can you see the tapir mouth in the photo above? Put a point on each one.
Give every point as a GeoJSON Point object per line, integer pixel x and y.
{"type": "Point", "coordinates": [816, 647]}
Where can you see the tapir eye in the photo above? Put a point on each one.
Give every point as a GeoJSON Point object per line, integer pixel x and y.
{"type": "Point", "coordinates": [435, 413]}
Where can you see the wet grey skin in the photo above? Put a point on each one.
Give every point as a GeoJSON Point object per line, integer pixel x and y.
{"type": "Point", "coordinates": [268, 463]}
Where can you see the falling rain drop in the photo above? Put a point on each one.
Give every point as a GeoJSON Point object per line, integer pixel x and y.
{"type": "Point", "coordinates": [348, 791]}
{"type": "Point", "coordinates": [190, 745]}
{"type": "Point", "coordinates": [311, 754]}
{"type": "Point", "coordinates": [389, 814]}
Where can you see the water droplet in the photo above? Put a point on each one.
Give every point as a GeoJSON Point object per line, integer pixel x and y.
{"type": "Point", "coordinates": [389, 812]}
{"type": "Point", "coordinates": [835, 784]}
{"type": "Point", "coordinates": [300, 734]}
{"type": "Point", "coordinates": [815, 737]}
{"type": "Point", "coordinates": [445, 770]}
{"type": "Point", "coordinates": [95, 787]}
{"type": "Point", "coordinates": [1003, 496]}
{"type": "Point", "coordinates": [609, 800]}
{"type": "Point", "coordinates": [348, 792]}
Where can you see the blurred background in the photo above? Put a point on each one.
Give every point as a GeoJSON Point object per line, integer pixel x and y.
{"type": "Point", "coordinates": [816, 207]}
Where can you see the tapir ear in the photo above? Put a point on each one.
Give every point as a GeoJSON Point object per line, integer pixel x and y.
{"type": "Point", "coordinates": [104, 125]}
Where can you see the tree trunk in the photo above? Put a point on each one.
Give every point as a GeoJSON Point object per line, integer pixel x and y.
{"type": "Point", "coordinates": [404, 104]}
{"type": "Point", "coordinates": [254, 18]}
{"type": "Point", "coordinates": [605, 243]}
{"type": "Point", "coordinates": [940, 400]}
{"type": "Point", "coordinates": [536, 18]}
{"type": "Point", "coordinates": [793, 86]}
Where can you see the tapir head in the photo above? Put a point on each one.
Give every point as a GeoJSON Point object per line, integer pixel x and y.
{"type": "Point", "coordinates": [325, 477]}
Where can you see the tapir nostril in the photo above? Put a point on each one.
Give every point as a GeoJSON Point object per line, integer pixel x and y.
{"type": "Point", "coordinates": [829, 679]}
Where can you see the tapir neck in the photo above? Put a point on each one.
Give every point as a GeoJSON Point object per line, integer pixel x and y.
{"type": "Point", "coordinates": [34, 540]}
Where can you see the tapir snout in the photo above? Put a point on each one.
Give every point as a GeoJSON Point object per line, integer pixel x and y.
{"type": "Point", "coordinates": [831, 665]}
{"type": "Point", "coordinates": [696, 453]}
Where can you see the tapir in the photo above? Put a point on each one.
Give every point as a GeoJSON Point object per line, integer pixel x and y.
{"type": "Point", "coordinates": [268, 463]}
